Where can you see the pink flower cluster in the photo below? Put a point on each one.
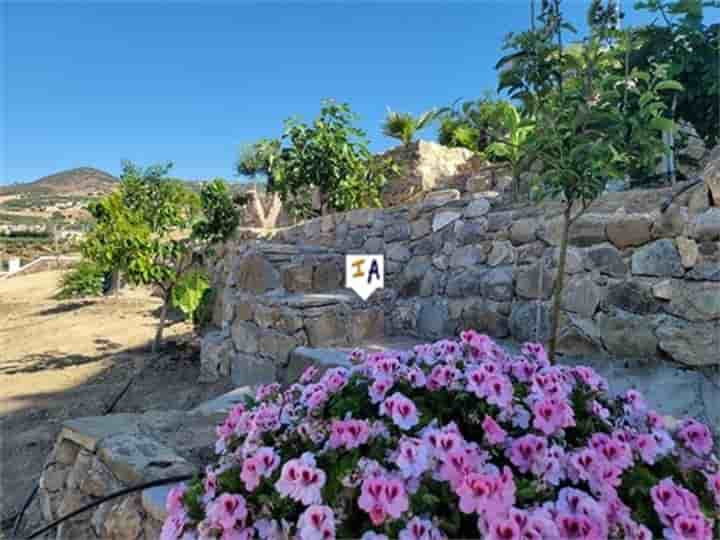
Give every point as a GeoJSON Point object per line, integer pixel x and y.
{"type": "Point", "coordinates": [458, 438]}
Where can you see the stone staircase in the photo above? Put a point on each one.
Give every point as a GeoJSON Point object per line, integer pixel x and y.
{"type": "Point", "coordinates": [278, 298]}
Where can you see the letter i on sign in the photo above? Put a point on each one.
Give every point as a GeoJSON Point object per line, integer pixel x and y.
{"type": "Point", "coordinates": [364, 274]}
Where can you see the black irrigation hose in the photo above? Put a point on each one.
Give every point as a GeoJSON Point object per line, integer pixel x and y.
{"type": "Point", "coordinates": [154, 483]}
{"type": "Point", "coordinates": [666, 204]}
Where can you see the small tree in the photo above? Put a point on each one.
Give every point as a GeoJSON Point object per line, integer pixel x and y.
{"type": "Point", "coordinates": [405, 126]}
{"type": "Point", "coordinates": [158, 226]}
{"type": "Point", "coordinates": [330, 156]}
{"type": "Point", "coordinates": [584, 138]}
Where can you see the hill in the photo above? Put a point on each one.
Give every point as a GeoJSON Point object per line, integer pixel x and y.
{"type": "Point", "coordinates": [82, 181]}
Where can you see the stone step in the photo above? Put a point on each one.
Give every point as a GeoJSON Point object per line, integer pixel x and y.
{"type": "Point", "coordinates": [327, 357]}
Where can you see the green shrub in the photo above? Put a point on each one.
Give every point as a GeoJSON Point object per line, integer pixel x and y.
{"type": "Point", "coordinates": [86, 279]}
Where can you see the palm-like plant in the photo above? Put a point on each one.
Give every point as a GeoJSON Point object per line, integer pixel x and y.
{"type": "Point", "coordinates": [404, 126]}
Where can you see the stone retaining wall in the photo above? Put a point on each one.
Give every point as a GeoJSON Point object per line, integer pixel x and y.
{"type": "Point", "coordinates": [96, 456]}
{"type": "Point", "coordinates": [640, 283]}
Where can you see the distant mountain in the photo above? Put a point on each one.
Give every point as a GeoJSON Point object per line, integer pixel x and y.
{"type": "Point", "coordinates": [81, 181]}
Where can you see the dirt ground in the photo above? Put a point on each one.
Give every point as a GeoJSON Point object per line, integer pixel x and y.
{"type": "Point", "coordinates": [67, 359]}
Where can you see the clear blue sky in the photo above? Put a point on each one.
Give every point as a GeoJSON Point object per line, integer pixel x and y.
{"type": "Point", "coordinates": [89, 84]}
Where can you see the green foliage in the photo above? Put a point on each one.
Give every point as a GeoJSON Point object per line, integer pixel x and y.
{"type": "Point", "coordinates": [466, 125]}
{"type": "Point", "coordinates": [151, 229]}
{"type": "Point", "coordinates": [690, 49]}
{"type": "Point", "coordinates": [189, 291]}
{"type": "Point", "coordinates": [405, 126]}
{"type": "Point", "coordinates": [259, 159]}
{"type": "Point", "coordinates": [220, 218]}
{"type": "Point", "coordinates": [329, 155]}
{"type": "Point", "coordinates": [85, 279]}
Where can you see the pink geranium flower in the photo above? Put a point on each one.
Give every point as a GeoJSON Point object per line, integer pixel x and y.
{"type": "Point", "coordinates": [528, 453]}
{"type": "Point", "coordinates": [550, 415]}
{"type": "Point", "coordinates": [696, 436]}
{"type": "Point", "coordinates": [671, 501]}
{"type": "Point", "coordinates": [402, 411]}
{"type": "Point", "coordinates": [260, 465]}
{"type": "Point", "coordinates": [349, 434]}
{"type": "Point", "coordinates": [413, 457]}
{"type": "Point", "coordinates": [494, 434]}
{"type": "Point", "coordinates": [301, 480]}
{"type": "Point", "coordinates": [317, 523]}
{"type": "Point", "coordinates": [379, 388]}
{"type": "Point", "coordinates": [227, 511]}
{"type": "Point", "coordinates": [419, 529]}
{"type": "Point", "coordinates": [690, 527]}
{"type": "Point", "coordinates": [381, 497]}
{"type": "Point", "coordinates": [714, 486]}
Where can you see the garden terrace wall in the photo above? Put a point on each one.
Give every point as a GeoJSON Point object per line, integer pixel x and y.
{"type": "Point", "coordinates": [640, 283]}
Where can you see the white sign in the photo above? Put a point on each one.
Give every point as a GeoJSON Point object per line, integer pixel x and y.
{"type": "Point", "coordinates": [364, 274]}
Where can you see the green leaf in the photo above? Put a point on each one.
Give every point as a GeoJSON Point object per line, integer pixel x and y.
{"type": "Point", "coordinates": [669, 85]}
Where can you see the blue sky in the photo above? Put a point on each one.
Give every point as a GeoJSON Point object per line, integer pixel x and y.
{"type": "Point", "coordinates": [89, 84]}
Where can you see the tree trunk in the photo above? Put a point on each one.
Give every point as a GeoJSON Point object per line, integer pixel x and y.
{"type": "Point", "coordinates": [161, 323]}
{"type": "Point", "coordinates": [115, 286]}
{"type": "Point", "coordinates": [559, 285]}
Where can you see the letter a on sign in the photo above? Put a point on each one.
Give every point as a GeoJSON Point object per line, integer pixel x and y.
{"type": "Point", "coordinates": [364, 274]}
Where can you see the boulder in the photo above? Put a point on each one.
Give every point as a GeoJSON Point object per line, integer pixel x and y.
{"type": "Point", "coordinates": [251, 369]}
{"type": "Point", "coordinates": [245, 336]}
{"type": "Point", "coordinates": [433, 319]}
{"type": "Point", "coordinates": [328, 328]}
{"type": "Point", "coordinates": [579, 336]}
{"type": "Point", "coordinates": [660, 258]}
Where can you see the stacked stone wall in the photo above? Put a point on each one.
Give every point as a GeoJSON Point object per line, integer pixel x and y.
{"type": "Point", "coordinates": [639, 282]}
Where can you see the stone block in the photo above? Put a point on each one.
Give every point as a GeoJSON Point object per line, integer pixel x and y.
{"type": "Point", "coordinates": [433, 320]}
{"type": "Point", "coordinates": [524, 318]}
{"type": "Point", "coordinates": [582, 296]}
{"type": "Point", "coordinates": [245, 336]}
{"type": "Point", "coordinates": [535, 281]}
{"type": "Point", "coordinates": [484, 316]}
{"type": "Point", "coordinates": [497, 284]}
{"type": "Point", "coordinates": [694, 345]}
{"type": "Point", "coordinates": [419, 228]}
{"type": "Point", "coordinates": [328, 275]}
{"type": "Point", "coordinates": [124, 520]}
{"type": "Point", "coordinates": [99, 481]}
{"type": "Point", "coordinates": [671, 223]}
{"type": "Point", "coordinates": [625, 230]}
{"type": "Point", "coordinates": [298, 278]}
{"type": "Point", "coordinates": [502, 253]}
{"type": "Point", "coordinates": [255, 274]}
{"type": "Point", "coordinates": [695, 301]}
{"type": "Point", "coordinates": [443, 219]}
{"type": "Point", "coordinates": [327, 329]}
{"type": "Point", "coordinates": [397, 251]}
{"type": "Point", "coordinates": [251, 369]}
{"type": "Point", "coordinates": [631, 296]}
{"type": "Point", "coordinates": [367, 323]}
{"type": "Point", "coordinates": [606, 259]}
{"type": "Point", "coordinates": [660, 258]}
{"type": "Point", "coordinates": [276, 345]}
{"type": "Point", "coordinates": [626, 335]}
{"type": "Point", "coordinates": [133, 458]}
{"type": "Point", "coordinates": [466, 257]}
{"type": "Point", "coordinates": [477, 208]}
{"type": "Point", "coordinates": [688, 250]}
{"type": "Point", "coordinates": [706, 226]}
{"type": "Point", "coordinates": [524, 231]}
{"type": "Point", "coordinates": [216, 354]}
{"type": "Point", "coordinates": [471, 232]}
